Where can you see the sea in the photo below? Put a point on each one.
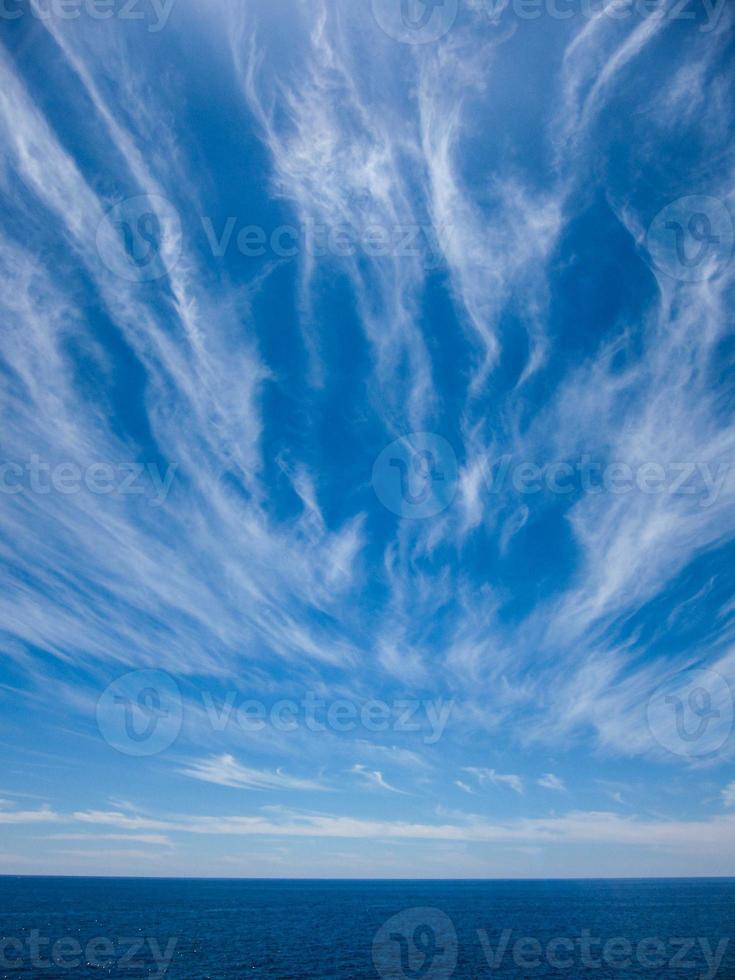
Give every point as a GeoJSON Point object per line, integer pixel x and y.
{"type": "Point", "coordinates": [182, 929]}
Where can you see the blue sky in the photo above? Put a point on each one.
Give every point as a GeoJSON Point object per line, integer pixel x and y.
{"type": "Point", "coordinates": [367, 393]}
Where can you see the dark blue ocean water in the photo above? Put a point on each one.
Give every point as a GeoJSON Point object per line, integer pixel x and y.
{"type": "Point", "coordinates": [97, 927]}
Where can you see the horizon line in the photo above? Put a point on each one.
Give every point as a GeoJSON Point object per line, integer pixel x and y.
{"type": "Point", "coordinates": [134, 877]}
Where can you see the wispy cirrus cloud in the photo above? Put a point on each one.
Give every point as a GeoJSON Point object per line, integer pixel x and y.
{"type": "Point", "coordinates": [43, 814]}
{"type": "Point", "coordinates": [225, 770]}
{"type": "Point", "coordinates": [550, 781]}
{"type": "Point", "coordinates": [374, 777]}
{"type": "Point", "coordinates": [483, 776]}
{"type": "Point", "coordinates": [574, 827]}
